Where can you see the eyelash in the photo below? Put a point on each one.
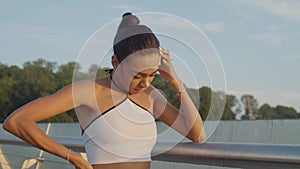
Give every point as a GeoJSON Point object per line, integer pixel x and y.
{"type": "Point", "coordinates": [139, 77]}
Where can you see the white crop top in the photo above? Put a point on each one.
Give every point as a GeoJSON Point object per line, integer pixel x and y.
{"type": "Point", "coordinates": [124, 133]}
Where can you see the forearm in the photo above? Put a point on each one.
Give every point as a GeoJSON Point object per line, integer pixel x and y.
{"type": "Point", "coordinates": [192, 119]}
{"type": "Point", "coordinates": [29, 131]}
{"type": "Point", "coordinates": [22, 122]}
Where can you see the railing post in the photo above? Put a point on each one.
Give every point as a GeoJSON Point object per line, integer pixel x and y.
{"type": "Point", "coordinates": [3, 160]}
{"type": "Point", "coordinates": [237, 155]}
{"type": "Point", "coordinates": [28, 163]}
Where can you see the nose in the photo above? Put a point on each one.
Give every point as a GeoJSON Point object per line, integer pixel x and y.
{"type": "Point", "coordinates": [145, 83]}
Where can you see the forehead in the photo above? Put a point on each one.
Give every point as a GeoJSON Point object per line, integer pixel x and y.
{"type": "Point", "coordinates": [142, 63]}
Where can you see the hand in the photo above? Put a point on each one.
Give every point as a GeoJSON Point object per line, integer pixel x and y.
{"type": "Point", "coordinates": [79, 162]}
{"type": "Point", "coordinates": [166, 68]}
{"type": "Point", "coordinates": [84, 166]}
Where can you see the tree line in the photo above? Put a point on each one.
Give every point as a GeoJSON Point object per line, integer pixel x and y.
{"type": "Point", "coordinates": [35, 79]}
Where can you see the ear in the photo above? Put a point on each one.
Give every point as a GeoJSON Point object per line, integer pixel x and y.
{"type": "Point", "coordinates": [115, 61]}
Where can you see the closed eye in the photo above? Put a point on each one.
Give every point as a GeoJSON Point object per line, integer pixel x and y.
{"type": "Point", "coordinates": [137, 77]}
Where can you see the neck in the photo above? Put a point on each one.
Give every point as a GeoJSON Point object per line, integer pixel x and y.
{"type": "Point", "coordinates": [115, 86]}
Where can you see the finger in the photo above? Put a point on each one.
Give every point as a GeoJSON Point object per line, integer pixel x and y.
{"type": "Point", "coordinates": [165, 58]}
{"type": "Point", "coordinates": [165, 55]}
{"type": "Point", "coordinates": [164, 52]}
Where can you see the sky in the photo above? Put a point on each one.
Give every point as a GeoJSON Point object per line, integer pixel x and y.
{"type": "Point", "coordinates": [257, 41]}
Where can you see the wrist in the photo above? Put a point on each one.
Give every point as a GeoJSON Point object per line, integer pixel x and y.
{"type": "Point", "coordinates": [178, 85]}
{"type": "Point", "coordinates": [68, 156]}
{"type": "Point", "coordinates": [73, 158]}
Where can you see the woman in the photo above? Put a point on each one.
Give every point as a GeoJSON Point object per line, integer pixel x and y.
{"type": "Point", "coordinates": [117, 113]}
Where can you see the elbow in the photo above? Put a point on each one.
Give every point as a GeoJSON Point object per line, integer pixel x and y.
{"type": "Point", "coordinates": [200, 138]}
{"type": "Point", "coordinates": [10, 124]}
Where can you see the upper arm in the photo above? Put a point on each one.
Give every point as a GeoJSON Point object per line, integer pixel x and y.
{"type": "Point", "coordinates": [167, 113]}
{"type": "Point", "coordinates": [49, 106]}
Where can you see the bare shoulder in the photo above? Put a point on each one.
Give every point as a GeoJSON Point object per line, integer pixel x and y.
{"type": "Point", "coordinates": [90, 85]}
{"type": "Point", "coordinates": [84, 90]}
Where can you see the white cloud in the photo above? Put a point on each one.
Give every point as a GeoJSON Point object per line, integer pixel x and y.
{"type": "Point", "coordinates": [247, 15]}
{"type": "Point", "coordinates": [165, 21]}
{"type": "Point", "coordinates": [216, 27]}
{"type": "Point", "coordinates": [123, 6]}
{"type": "Point", "coordinates": [287, 8]}
{"type": "Point", "coordinates": [54, 8]}
{"type": "Point", "coordinates": [269, 38]}
{"type": "Point", "coordinates": [292, 57]}
{"type": "Point", "coordinates": [36, 29]}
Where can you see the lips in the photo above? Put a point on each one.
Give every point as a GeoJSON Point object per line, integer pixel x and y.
{"type": "Point", "coordinates": [139, 90]}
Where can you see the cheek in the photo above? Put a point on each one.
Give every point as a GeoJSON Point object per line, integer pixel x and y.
{"type": "Point", "coordinates": [151, 79]}
{"type": "Point", "coordinates": [125, 76]}
{"type": "Point", "coordinates": [134, 83]}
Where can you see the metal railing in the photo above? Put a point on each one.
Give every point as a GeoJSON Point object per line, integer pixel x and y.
{"type": "Point", "coordinates": [238, 155]}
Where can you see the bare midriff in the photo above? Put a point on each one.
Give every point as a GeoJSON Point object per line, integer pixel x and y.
{"type": "Point", "coordinates": [127, 165]}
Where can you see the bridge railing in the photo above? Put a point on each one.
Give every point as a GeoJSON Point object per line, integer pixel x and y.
{"type": "Point", "coordinates": [249, 156]}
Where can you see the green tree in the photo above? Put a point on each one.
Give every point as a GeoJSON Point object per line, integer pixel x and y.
{"type": "Point", "coordinates": [7, 80]}
{"type": "Point", "coordinates": [284, 112]}
{"type": "Point", "coordinates": [64, 74]}
{"type": "Point", "coordinates": [40, 78]}
{"type": "Point", "coordinates": [231, 108]}
{"type": "Point", "coordinates": [205, 101]}
{"type": "Point", "coordinates": [20, 86]}
{"type": "Point", "coordinates": [266, 112]}
{"type": "Point", "coordinates": [96, 72]}
{"type": "Point", "coordinates": [167, 89]}
{"type": "Point", "coordinates": [214, 105]}
{"type": "Point", "coordinates": [36, 80]}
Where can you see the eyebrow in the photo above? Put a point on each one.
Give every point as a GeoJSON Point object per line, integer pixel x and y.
{"type": "Point", "coordinates": [144, 74]}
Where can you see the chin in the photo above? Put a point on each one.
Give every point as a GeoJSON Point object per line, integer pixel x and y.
{"type": "Point", "coordinates": [138, 91]}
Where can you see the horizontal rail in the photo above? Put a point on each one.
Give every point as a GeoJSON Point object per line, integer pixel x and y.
{"type": "Point", "coordinates": [247, 156]}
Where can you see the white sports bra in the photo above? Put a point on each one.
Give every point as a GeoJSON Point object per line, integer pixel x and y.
{"type": "Point", "coordinates": [124, 133]}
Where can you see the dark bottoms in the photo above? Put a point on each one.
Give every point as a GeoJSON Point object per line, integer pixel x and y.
{"type": "Point", "coordinates": [129, 165]}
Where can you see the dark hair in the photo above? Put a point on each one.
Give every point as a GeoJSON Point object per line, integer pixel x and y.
{"type": "Point", "coordinates": [132, 37]}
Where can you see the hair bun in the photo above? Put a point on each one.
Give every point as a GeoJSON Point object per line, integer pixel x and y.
{"type": "Point", "coordinates": [130, 26]}
{"type": "Point", "coordinates": [127, 13]}
{"type": "Point", "coordinates": [128, 19]}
